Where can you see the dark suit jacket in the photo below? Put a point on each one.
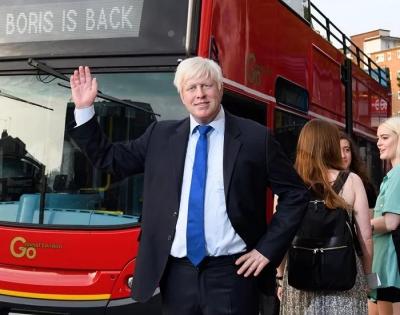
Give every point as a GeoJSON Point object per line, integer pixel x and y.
{"type": "Point", "coordinates": [253, 160]}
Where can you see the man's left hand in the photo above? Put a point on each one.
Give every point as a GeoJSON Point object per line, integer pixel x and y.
{"type": "Point", "coordinates": [251, 263]}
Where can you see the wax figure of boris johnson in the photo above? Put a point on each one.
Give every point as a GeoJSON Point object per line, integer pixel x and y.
{"type": "Point", "coordinates": [204, 239]}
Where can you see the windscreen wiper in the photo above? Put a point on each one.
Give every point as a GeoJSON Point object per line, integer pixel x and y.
{"type": "Point", "coordinates": [15, 98]}
{"type": "Point", "coordinates": [45, 68]}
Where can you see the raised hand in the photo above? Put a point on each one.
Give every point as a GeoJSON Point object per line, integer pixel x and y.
{"type": "Point", "coordinates": [83, 87]}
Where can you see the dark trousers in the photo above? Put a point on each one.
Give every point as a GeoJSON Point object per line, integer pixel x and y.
{"type": "Point", "coordinates": [212, 288]}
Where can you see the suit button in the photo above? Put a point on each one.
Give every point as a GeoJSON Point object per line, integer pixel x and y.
{"type": "Point", "coordinates": [175, 213]}
{"type": "Point", "coordinates": [169, 237]}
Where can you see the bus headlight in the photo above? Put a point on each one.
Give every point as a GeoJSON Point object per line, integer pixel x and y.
{"type": "Point", "coordinates": [129, 282]}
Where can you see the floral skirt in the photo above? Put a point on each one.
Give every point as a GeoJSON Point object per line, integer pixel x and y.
{"type": "Point", "coordinates": [350, 302]}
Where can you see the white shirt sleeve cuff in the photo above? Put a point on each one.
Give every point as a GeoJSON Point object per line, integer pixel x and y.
{"type": "Point", "coordinates": [83, 115]}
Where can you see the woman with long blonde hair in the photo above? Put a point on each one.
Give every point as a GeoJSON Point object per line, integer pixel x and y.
{"type": "Point", "coordinates": [387, 219]}
{"type": "Point", "coordinates": [318, 162]}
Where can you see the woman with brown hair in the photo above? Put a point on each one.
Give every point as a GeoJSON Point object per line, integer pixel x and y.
{"type": "Point", "coordinates": [318, 162]}
{"type": "Point", "coordinates": [352, 161]}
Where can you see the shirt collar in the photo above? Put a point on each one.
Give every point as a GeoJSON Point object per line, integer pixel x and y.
{"type": "Point", "coordinates": [218, 123]}
{"type": "Point", "coordinates": [394, 170]}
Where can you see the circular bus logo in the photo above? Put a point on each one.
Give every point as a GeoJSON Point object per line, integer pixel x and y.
{"type": "Point", "coordinates": [18, 248]}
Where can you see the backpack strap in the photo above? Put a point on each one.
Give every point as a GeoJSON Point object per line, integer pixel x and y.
{"type": "Point", "coordinates": [340, 180]}
{"type": "Point", "coordinates": [337, 187]}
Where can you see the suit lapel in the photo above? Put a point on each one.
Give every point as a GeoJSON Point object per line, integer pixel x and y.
{"type": "Point", "coordinates": [177, 151]}
{"type": "Point", "coordinates": [232, 146]}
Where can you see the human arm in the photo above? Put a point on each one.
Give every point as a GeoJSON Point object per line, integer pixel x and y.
{"type": "Point", "coordinates": [281, 268]}
{"type": "Point", "coordinates": [386, 223]}
{"type": "Point", "coordinates": [119, 158]}
{"type": "Point", "coordinates": [388, 203]}
{"type": "Point", "coordinates": [293, 199]}
{"type": "Point", "coordinates": [362, 218]}
{"type": "Point", "coordinates": [279, 277]}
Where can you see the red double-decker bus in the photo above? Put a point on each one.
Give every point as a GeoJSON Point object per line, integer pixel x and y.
{"type": "Point", "coordinates": [68, 232]}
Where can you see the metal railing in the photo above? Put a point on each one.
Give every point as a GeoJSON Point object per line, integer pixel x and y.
{"type": "Point", "coordinates": [335, 36]}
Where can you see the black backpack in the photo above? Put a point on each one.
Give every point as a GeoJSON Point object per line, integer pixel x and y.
{"type": "Point", "coordinates": [322, 254]}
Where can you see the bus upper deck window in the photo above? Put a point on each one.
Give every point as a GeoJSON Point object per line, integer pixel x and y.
{"type": "Point", "coordinates": [290, 94]}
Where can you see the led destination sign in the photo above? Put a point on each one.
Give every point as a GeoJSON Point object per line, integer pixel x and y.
{"type": "Point", "coordinates": [70, 20]}
{"type": "Point", "coordinates": [30, 28]}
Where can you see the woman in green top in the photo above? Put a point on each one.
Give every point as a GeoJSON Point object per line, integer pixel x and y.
{"type": "Point", "coordinates": [386, 219]}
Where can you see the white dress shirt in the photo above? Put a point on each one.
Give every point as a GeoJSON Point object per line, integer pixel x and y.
{"type": "Point", "coordinates": [221, 238]}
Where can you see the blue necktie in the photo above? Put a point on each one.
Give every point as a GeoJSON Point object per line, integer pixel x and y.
{"type": "Point", "coordinates": [195, 239]}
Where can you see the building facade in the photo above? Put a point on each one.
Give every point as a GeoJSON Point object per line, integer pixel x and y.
{"type": "Point", "coordinates": [385, 51]}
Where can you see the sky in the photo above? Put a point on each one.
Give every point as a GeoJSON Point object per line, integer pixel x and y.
{"type": "Point", "coordinates": [359, 16]}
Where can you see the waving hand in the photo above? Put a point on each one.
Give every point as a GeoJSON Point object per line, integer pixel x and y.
{"type": "Point", "coordinates": [83, 87]}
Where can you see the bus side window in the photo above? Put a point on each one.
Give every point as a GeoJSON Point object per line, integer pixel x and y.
{"type": "Point", "coordinates": [287, 130]}
{"type": "Point", "coordinates": [292, 95]}
{"type": "Point", "coordinates": [242, 106]}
